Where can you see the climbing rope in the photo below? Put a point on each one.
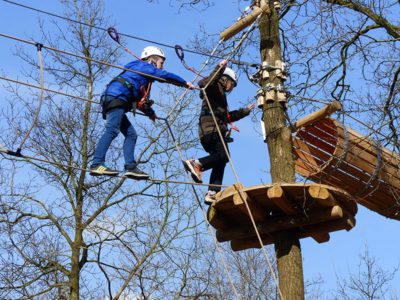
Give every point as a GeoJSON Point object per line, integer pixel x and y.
{"type": "Point", "coordinates": [35, 118]}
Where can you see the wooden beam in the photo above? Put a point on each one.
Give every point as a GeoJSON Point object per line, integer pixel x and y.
{"type": "Point", "coordinates": [322, 195]}
{"type": "Point", "coordinates": [319, 114]}
{"type": "Point", "coordinates": [243, 22]}
{"type": "Point", "coordinates": [238, 245]}
{"type": "Point", "coordinates": [277, 195]}
{"type": "Point", "coordinates": [335, 225]}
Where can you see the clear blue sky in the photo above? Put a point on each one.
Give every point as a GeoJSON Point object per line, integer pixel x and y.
{"type": "Point", "coordinates": [163, 23]}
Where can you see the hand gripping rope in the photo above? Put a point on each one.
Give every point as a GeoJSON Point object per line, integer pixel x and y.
{"type": "Point", "coordinates": [181, 54]}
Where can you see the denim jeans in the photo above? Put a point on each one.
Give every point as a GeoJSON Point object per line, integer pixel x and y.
{"type": "Point", "coordinates": [117, 121]}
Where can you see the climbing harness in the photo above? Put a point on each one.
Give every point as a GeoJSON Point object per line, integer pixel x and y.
{"type": "Point", "coordinates": [181, 54]}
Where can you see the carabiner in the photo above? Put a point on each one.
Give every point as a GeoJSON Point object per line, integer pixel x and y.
{"type": "Point", "coordinates": [113, 34]}
{"type": "Point", "coordinates": [179, 52]}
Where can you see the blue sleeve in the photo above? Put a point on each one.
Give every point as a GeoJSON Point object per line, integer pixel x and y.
{"type": "Point", "coordinates": [170, 77]}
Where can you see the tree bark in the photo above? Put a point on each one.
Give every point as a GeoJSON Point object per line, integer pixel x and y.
{"type": "Point", "coordinates": [278, 138]}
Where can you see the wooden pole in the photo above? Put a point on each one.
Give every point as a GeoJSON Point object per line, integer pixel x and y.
{"type": "Point", "coordinates": [324, 112]}
{"type": "Point", "coordinates": [243, 23]}
{"type": "Point", "coordinates": [278, 138]}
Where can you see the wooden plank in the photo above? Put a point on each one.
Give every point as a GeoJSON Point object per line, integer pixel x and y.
{"type": "Point", "coordinates": [327, 110]}
{"type": "Point", "coordinates": [239, 245]}
{"type": "Point", "coordinates": [272, 225]}
{"type": "Point", "coordinates": [257, 211]}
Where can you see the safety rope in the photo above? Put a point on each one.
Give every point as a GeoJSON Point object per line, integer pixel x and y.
{"type": "Point", "coordinates": [181, 55]}
{"type": "Point", "coordinates": [47, 90]}
{"type": "Point", "coordinates": [35, 118]}
{"type": "Point", "coordinates": [202, 210]}
{"type": "Point", "coordinates": [93, 60]}
{"type": "Point", "coordinates": [237, 62]}
{"type": "Point", "coordinates": [113, 33]}
{"type": "Point", "coordinates": [243, 198]}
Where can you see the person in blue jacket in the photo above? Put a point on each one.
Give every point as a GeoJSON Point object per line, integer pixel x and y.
{"type": "Point", "coordinates": [127, 91]}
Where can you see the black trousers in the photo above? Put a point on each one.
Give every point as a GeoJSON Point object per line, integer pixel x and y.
{"type": "Point", "coordinates": [216, 160]}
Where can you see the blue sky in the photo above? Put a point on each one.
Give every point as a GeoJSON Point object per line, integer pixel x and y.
{"type": "Point", "coordinates": [165, 24]}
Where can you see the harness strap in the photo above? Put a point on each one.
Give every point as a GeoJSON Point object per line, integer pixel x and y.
{"type": "Point", "coordinates": [125, 83]}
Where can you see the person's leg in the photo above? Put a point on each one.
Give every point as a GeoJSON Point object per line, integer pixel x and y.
{"type": "Point", "coordinates": [215, 147]}
{"type": "Point", "coordinates": [112, 128]}
{"type": "Point", "coordinates": [130, 135]}
{"type": "Point", "coordinates": [216, 160]}
{"type": "Point", "coordinates": [131, 169]}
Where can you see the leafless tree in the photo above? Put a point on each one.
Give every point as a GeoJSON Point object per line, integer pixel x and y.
{"type": "Point", "coordinates": [369, 281]}
{"type": "Point", "coordinates": [65, 234]}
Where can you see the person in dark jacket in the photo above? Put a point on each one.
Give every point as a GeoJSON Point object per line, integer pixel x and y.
{"type": "Point", "coordinates": [221, 81]}
{"type": "Point", "coordinates": [130, 90]}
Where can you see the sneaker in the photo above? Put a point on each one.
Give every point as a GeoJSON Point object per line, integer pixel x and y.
{"type": "Point", "coordinates": [136, 173]}
{"type": "Point", "coordinates": [194, 169]}
{"type": "Point", "coordinates": [210, 197]}
{"type": "Point", "coordinates": [102, 170]}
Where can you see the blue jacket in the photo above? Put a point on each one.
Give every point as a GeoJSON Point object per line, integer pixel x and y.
{"type": "Point", "coordinates": [139, 82]}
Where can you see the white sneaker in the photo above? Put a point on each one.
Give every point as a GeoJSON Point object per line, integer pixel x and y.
{"type": "Point", "coordinates": [194, 169]}
{"type": "Point", "coordinates": [210, 197]}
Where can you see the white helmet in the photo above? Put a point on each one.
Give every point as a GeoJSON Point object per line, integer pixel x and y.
{"type": "Point", "coordinates": [152, 50]}
{"type": "Point", "coordinates": [231, 74]}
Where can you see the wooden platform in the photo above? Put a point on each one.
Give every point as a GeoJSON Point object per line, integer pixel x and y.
{"type": "Point", "coordinates": [313, 210]}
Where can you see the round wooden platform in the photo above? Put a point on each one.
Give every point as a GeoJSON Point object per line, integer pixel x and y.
{"type": "Point", "coordinates": [313, 210]}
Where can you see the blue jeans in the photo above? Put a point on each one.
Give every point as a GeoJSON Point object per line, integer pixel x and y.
{"type": "Point", "coordinates": [117, 121]}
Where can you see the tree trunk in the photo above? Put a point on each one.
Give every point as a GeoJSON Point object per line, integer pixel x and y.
{"type": "Point", "coordinates": [278, 137]}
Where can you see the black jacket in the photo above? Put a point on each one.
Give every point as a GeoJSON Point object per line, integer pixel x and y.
{"type": "Point", "coordinates": [216, 95]}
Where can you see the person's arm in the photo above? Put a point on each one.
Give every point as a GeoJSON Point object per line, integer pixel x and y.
{"type": "Point", "coordinates": [236, 115]}
{"type": "Point", "coordinates": [215, 75]}
{"type": "Point", "coordinates": [170, 77]}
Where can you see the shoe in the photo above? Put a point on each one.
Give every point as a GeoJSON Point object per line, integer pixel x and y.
{"type": "Point", "coordinates": [210, 197]}
{"type": "Point", "coordinates": [194, 169]}
{"type": "Point", "coordinates": [99, 170]}
{"type": "Point", "coordinates": [136, 173]}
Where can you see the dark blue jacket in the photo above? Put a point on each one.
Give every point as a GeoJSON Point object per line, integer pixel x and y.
{"type": "Point", "coordinates": [139, 82]}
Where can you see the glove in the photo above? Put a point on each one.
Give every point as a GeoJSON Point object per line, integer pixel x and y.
{"type": "Point", "coordinates": [145, 107]}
